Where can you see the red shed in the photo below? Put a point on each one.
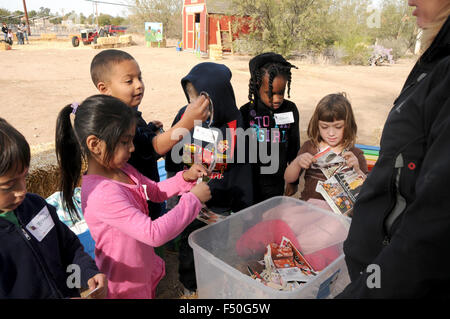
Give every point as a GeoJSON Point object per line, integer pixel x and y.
{"type": "Point", "coordinates": [204, 20]}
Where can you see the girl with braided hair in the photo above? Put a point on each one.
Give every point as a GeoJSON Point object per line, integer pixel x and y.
{"type": "Point", "coordinates": [275, 123]}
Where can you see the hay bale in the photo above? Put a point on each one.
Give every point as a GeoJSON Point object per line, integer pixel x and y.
{"type": "Point", "coordinates": [126, 39]}
{"type": "Point", "coordinates": [215, 52]}
{"type": "Point", "coordinates": [158, 44]}
{"type": "Point", "coordinates": [48, 36]}
{"type": "Point", "coordinates": [4, 46]}
{"type": "Point", "coordinates": [107, 40]}
{"type": "Point", "coordinates": [44, 176]}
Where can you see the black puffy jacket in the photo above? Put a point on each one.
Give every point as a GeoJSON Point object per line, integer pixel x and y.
{"type": "Point", "coordinates": [401, 219]}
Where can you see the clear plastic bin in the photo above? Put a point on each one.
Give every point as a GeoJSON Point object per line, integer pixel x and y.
{"type": "Point", "coordinates": [221, 249]}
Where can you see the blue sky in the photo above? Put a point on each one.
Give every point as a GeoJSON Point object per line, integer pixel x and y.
{"type": "Point", "coordinates": [56, 6]}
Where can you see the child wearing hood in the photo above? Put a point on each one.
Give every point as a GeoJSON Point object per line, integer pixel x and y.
{"type": "Point", "coordinates": [214, 143]}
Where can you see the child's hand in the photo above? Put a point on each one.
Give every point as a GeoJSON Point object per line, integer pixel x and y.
{"type": "Point", "coordinates": [98, 281]}
{"type": "Point", "coordinates": [351, 161]}
{"type": "Point", "coordinates": [195, 172]}
{"type": "Point", "coordinates": [198, 110]}
{"type": "Point", "coordinates": [305, 160]}
{"type": "Point", "coordinates": [202, 191]}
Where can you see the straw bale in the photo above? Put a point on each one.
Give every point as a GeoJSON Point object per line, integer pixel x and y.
{"type": "Point", "coordinates": [107, 40]}
{"type": "Point", "coordinates": [48, 36]}
{"type": "Point", "coordinates": [44, 177]}
{"type": "Point", "coordinates": [125, 39]}
{"type": "Point", "coordinates": [4, 46]}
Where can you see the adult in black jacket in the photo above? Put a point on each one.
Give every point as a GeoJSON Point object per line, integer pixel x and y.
{"type": "Point", "coordinates": [5, 30]}
{"type": "Point", "coordinates": [399, 240]}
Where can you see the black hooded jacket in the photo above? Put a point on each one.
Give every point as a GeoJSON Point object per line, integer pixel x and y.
{"type": "Point", "coordinates": [260, 117]}
{"type": "Point", "coordinates": [231, 188]}
{"type": "Point", "coordinates": [33, 269]}
{"type": "Point", "coordinates": [399, 240]}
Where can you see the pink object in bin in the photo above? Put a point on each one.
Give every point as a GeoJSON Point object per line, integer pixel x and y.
{"type": "Point", "coordinates": [255, 240]}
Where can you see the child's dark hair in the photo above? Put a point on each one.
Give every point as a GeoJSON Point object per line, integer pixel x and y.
{"type": "Point", "coordinates": [103, 116]}
{"type": "Point", "coordinates": [14, 149]}
{"type": "Point", "coordinates": [272, 64]}
{"type": "Point", "coordinates": [334, 107]}
{"type": "Point", "coordinates": [101, 63]}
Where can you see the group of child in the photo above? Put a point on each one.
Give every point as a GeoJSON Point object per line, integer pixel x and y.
{"type": "Point", "coordinates": [121, 192]}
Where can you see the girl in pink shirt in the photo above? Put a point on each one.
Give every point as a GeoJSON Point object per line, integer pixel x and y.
{"type": "Point", "coordinates": [114, 194]}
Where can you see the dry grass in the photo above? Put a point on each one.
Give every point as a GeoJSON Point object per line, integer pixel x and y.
{"type": "Point", "coordinates": [44, 177]}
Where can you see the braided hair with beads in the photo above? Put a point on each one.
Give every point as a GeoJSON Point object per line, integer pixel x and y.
{"type": "Point", "coordinates": [268, 63]}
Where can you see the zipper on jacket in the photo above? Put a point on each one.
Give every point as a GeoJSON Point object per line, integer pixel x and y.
{"type": "Point", "coordinates": [39, 258]}
{"type": "Point", "coordinates": [387, 239]}
{"type": "Point", "coordinates": [25, 234]}
{"type": "Point", "coordinates": [397, 106]}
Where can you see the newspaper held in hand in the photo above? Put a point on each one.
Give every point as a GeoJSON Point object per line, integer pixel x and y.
{"type": "Point", "coordinates": [340, 191]}
{"type": "Point", "coordinates": [328, 162]}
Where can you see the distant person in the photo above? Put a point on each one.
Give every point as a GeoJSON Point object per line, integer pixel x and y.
{"type": "Point", "coordinates": [10, 37]}
{"type": "Point", "coordinates": [5, 31]}
{"type": "Point", "coordinates": [332, 125]}
{"type": "Point", "coordinates": [117, 73]}
{"type": "Point", "coordinates": [114, 194]}
{"type": "Point", "coordinates": [25, 32]}
{"type": "Point", "coordinates": [399, 238]}
{"type": "Point", "coordinates": [36, 247]}
{"type": "Point", "coordinates": [270, 76]}
{"type": "Point", "coordinates": [19, 34]}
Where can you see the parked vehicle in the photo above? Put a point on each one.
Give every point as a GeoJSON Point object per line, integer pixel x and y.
{"type": "Point", "coordinates": [89, 36]}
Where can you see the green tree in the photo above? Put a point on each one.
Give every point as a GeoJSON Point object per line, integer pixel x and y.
{"type": "Point", "coordinates": [3, 14]}
{"type": "Point", "coordinates": [104, 19]}
{"type": "Point", "coordinates": [285, 26]}
{"type": "Point", "coordinates": [398, 27]}
{"type": "Point", "coordinates": [44, 12]}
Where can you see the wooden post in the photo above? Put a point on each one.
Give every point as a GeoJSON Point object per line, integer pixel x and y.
{"type": "Point", "coordinates": [218, 34]}
{"type": "Point", "coordinates": [230, 37]}
{"type": "Point", "coordinates": [26, 17]}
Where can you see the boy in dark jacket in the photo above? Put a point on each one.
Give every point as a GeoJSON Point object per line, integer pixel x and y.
{"type": "Point", "coordinates": [117, 73]}
{"type": "Point", "coordinates": [230, 182]}
{"type": "Point", "coordinates": [40, 257]}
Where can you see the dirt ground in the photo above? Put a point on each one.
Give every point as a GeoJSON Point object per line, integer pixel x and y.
{"type": "Point", "coordinates": [38, 79]}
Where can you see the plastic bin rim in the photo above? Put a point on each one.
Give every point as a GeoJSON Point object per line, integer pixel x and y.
{"type": "Point", "coordinates": [236, 274]}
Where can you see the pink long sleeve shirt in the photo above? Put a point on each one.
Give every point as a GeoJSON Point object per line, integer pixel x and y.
{"type": "Point", "coordinates": [124, 234]}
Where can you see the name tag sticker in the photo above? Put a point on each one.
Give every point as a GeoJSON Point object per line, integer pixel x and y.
{"type": "Point", "coordinates": [41, 224]}
{"type": "Point", "coordinates": [284, 118]}
{"type": "Point", "coordinates": [205, 135]}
